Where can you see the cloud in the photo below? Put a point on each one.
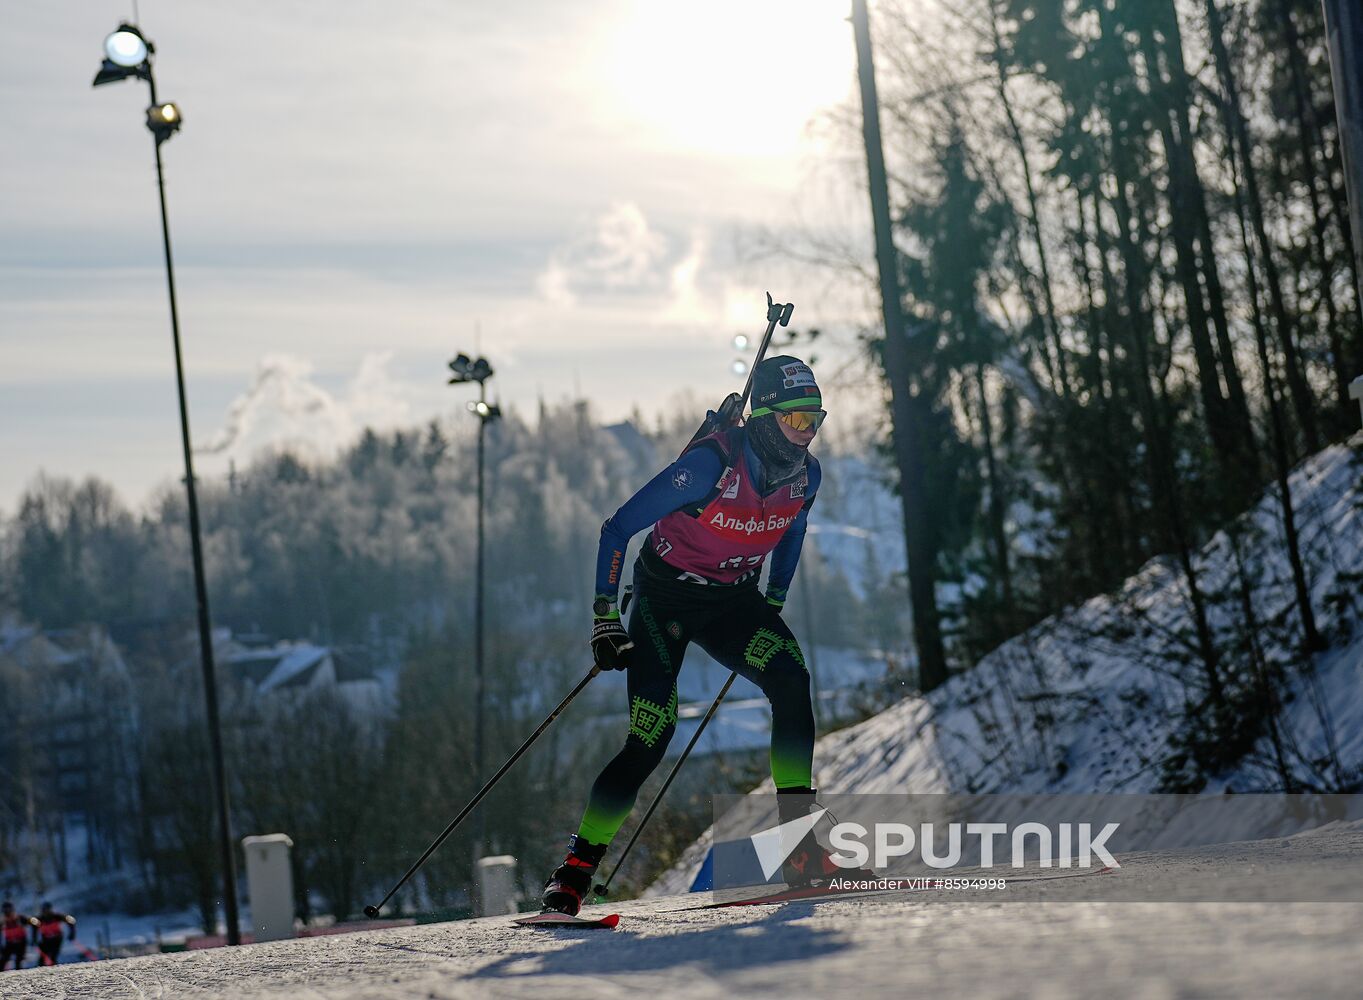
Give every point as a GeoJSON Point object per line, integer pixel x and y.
{"type": "Point", "coordinates": [375, 398]}
{"type": "Point", "coordinates": [619, 253]}
{"type": "Point", "coordinates": [626, 250]}
{"type": "Point", "coordinates": [284, 406]}
{"type": "Point", "coordinates": [688, 301]}
{"type": "Point", "coordinates": [281, 387]}
{"type": "Point", "coordinates": [553, 285]}
{"type": "Point", "coordinates": [621, 257]}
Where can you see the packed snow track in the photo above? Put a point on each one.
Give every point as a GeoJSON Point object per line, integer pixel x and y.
{"type": "Point", "coordinates": [900, 945]}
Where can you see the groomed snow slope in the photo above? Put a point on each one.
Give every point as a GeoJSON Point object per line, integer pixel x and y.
{"type": "Point", "coordinates": [902, 945]}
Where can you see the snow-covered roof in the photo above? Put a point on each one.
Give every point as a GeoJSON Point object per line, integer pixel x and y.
{"type": "Point", "coordinates": [298, 664]}
{"type": "Point", "coordinates": [294, 665]}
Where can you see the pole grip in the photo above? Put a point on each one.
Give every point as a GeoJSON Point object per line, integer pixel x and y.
{"type": "Point", "coordinates": [776, 313]}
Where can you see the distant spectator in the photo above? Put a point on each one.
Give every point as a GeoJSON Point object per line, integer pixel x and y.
{"type": "Point", "coordinates": [15, 928]}
{"type": "Point", "coordinates": [47, 935]}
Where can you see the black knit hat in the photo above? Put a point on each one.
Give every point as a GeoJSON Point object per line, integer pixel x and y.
{"type": "Point", "coordinates": [784, 383]}
{"type": "Point", "coordinates": [779, 384]}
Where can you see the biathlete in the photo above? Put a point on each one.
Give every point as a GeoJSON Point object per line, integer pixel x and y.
{"type": "Point", "coordinates": [47, 935]}
{"type": "Point", "coordinates": [733, 498]}
{"type": "Point", "coordinates": [14, 931]}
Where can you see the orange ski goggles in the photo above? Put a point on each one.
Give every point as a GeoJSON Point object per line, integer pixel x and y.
{"type": "Point", "coordinates": [802, 420]}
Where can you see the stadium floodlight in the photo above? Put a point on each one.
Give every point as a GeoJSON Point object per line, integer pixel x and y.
{"type": "Point", "coordinates": [127, 47]}
{"type": "Point", "coordinates": [466, 369]}
{"type": "Point", "coordinates": [164, 120]}
{"type": "Point", "coordinates": [127, 53]}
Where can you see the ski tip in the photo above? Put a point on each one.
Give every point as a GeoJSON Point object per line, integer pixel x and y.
{"type": "Point", "coordinates": [553, 918]}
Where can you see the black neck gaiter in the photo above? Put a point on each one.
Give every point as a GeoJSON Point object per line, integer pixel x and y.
{"type": "Point", "coordinates": [780, 457]}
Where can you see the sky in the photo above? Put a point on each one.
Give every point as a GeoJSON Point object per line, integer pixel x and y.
{"type": "Point", "coordinates": [566, 188]}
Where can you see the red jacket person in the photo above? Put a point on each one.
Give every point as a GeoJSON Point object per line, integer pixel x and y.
{"type": "Point", "coordinates": [14, 931]}
{"type": "Point", "coordinates": [47, 935]}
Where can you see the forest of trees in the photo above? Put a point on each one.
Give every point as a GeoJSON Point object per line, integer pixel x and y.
{"type": "Point", "coordinates": [1131, 304]}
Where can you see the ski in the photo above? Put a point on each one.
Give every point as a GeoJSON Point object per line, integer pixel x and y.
{"type": "Point", "coordinates": [552, 918]}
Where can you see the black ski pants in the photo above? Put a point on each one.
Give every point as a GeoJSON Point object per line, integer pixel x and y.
{"type": "Point", "coordinates": [737, 627]}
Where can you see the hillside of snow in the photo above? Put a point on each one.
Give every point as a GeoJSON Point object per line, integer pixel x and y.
{"type": "Point", "coordinates": [1087, 701]}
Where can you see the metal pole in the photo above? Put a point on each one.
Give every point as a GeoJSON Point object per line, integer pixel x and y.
{"type": "Point", "coordinates": [480, 821]}
{"type": "Point", "coordinates": [926, 624]}
{"type": "Point", "coordinates": [229, 864]}
{"type": "Point", "coordinates": [1344, 31]}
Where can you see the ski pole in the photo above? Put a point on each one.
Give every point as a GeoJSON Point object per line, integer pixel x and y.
{"type": "Point", "coordinates": [373, 911]}
{"type": "Point", "coordinates": [90, 956]}
{"type": "Point", "coordinates": [602, 888]}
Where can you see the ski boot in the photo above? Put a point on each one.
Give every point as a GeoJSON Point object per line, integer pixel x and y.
{"type": "Point", "coordinates": [810, 865]}
{"type": "Point", "coordinates": [571, 881]}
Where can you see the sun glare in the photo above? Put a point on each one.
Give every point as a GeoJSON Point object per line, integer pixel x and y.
{"type": "Point", "coordinates": [736, 77]}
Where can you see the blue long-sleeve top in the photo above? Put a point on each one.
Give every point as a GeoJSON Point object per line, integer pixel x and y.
{"type": "Point", "coordinates": [684, 483]}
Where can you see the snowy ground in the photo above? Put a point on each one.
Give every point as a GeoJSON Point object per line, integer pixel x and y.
{"type": "Point", "coordinates": [888, 945]}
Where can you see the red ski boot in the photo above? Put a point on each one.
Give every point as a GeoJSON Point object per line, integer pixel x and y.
{"type": "Point", "coordinates": [810, 865]}
{"type": "Point", "coordinates": [572, 880]}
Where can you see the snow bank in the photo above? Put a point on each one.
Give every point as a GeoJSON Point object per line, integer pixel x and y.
{"type": "Point", "coordinates": [1087, 700]}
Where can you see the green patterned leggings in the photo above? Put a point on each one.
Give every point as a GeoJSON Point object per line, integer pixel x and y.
{"type": "Point", "coordinates": [740, 630]}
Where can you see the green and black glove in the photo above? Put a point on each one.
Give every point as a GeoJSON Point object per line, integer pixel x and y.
{"type": "Point", "coordinates": [610, 642]}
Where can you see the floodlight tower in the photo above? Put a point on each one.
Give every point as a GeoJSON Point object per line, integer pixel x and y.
{"type": "Point", "coordinates": [466, 369]}
{"type": "Point", "coordinates": [128, 55]}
